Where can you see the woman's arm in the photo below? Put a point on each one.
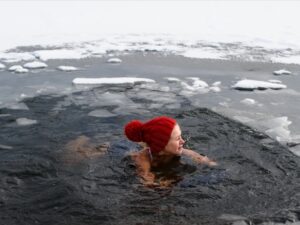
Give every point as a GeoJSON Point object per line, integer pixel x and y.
{"type": "Point", "coordinates": [199, 158]}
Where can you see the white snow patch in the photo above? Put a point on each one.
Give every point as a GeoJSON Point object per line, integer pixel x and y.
{"type": "Point", "coordinates": [35, 65]}
{"type": "Point", "coordinates": [59, 54]}
{"type": "Point", "coordinates": [25, 121]}
{"type": "Point", "coordinates": [67, 68]}
{"type": "Point", "coordinates": [255, 84]}
{"type": "Point", "coordinates": [248, 101]}
{"type": "Point", "coordinates": [282, 72]}
{"type": "Point", "coordinates": [115, 80]}
{"type": "Point", "coordinates": [114, 60]}
{"type": "Point", "coordinates": [101, 113]}
{"type": "Point", "coordinates": [2, 66]}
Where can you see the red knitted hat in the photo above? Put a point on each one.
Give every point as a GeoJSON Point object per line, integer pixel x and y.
{"type": "Point", "coordinates": [155, 133]}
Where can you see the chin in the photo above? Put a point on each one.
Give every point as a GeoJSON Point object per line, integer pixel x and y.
{"type": "Point", "coordinates": [180, 151]}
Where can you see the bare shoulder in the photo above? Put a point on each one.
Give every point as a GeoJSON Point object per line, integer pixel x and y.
{"type": "Point", "coordinates": [139, 155]}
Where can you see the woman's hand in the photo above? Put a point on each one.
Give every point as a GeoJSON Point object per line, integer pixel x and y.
{"type": "Point", "coordinates": [199, 158]}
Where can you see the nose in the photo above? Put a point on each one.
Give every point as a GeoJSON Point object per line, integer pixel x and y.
{"type": "Point", "coordinates": [181, 140]}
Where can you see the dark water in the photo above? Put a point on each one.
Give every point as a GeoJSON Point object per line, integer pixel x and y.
{"type": "Point", "coordinates": [44, 181]}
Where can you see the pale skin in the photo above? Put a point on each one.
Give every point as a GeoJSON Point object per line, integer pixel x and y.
{"type": "Point", "coordinates": [173, 148]}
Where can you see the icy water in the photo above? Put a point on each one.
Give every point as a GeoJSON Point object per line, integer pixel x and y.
{"type": "Point", "coordinates": [48, 178]}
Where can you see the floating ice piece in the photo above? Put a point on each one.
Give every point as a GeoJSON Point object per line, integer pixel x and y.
{"type": "Point", "coordinates": [18, 69]}
{"type": "Point", "coordinates": [2, 66]}
{"type": "Point", "coordinates": [103, 113]}
{"type": "Point", "coordinates": [35, 65]}
{"type": "Point", "coordinates": [198, 86]}
{"type": "Point", "coordinates": [281, 134]}
{"type": "Point", "coordinates": [59, 54]}
{"type": "Point", "coordinates": [282, 121]}
{"type": "Point", "coordinates": [225, 104]}
{"type": "Point", "coordinates": [67, 68]}
{"type": "Point", "coordinates": [216, 84]}
{"type": "Point", "coordinates": [155, 87]}
{"type": "Point", "coordinates": [5, 147]}
{"type": "Point", "coordinates": [114, 60]}
{"type": "Point", "coordinates": [111, 80]}
{"type": "Point", "coordinates": [21, 70]}
{"type": "Point", "coordinates": [282, 72]}
{"type": "Point", "coordinates": [215, 89]}
{"type": "Point", "coordinates": [243, 119]}
{"type": "Point", "coordinates": [12, 57]}
{"type": "Point", "coordinates": [198, 83]}
{"type": "Point", "coordinates": [255, 84]}
{"type": "Point", "coordinates": [173, 79]}
{"type": "Point", "coordinates": [17, 106]}
{"type": "Point", "coordinates": [4, 115]}
{"type": "Point", "coordinates": [275, 81]}
{"type": "Point", "coordinates": [248, 101]}
{"type": "Point", "coordinates": [231, 217]}
{"type": "Point", "coordinates": [14, 67]}
{"type": "Point", "coordinates": [25, 121]}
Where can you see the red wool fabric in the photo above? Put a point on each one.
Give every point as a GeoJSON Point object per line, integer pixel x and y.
{"type": "Point", "coordinates": [155, 133]}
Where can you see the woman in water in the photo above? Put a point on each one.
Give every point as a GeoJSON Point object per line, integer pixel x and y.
{"type": "Point", "coordinates": [163, 143]}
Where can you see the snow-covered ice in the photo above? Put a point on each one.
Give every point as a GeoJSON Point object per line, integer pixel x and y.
{"type": "Point", "coordinates": [216, 84]}
{"type": "Point", "coordinates": [67, 68]}
{"type": "Point", "coordinates": [114, 60]}
{"type": "Point", "coordinates": [198, 83]}
{"type": "Point", "coordinates": [110, 80]}
{"type": "Point", "coordinates": [18, 69]}
{"type": "Point", "coordinates": [173, 79]}
{"type": "Point", "coordinates": [282, 72]}
{"type": "Point", "coordinates": [248, 101]}
{"type": "Point", "coordinates": [35, 65]}
{"type": "Point", "coordinates": [13, 57]}
{"type": "Point", "coordinates": [25, 121]}
{"type": "Point", "coordinates": [14, 67]}
{"type": "Point", "coordinates": [256, 84]}
{"type": "Point", "coordinates": [45, 55]}
{"type": "Point", "coordinates": [2, 66]}
{"type": "Point", "coordinates": [275, 81]}
{"type": "Point", "coordinates": [215, 89]}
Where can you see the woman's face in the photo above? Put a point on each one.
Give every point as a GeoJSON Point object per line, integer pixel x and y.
{"type": "Point", "coordinates": [175, 144]}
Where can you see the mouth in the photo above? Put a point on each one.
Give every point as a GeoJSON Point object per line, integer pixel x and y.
{"type": "Point", "coordinates": [180, 150]}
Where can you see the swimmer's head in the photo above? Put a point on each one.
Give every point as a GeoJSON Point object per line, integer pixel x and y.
{"type": "Point", "coordinates": [160, 134]}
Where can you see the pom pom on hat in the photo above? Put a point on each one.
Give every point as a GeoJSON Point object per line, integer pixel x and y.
{"type": "Point", "coordinates": [155, 133]}
{"type": "Point", "coordinates": [133, 130]}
